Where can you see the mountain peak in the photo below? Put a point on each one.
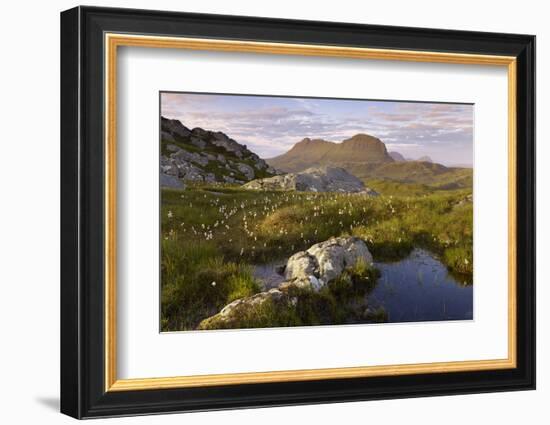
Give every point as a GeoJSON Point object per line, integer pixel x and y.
{"type": "Point", "coordinates": [397, 156]}
{"type": "Point", "coordinates": [308, 143]}
{"type": "Point", "coordinates": [362, 137]}
{"type": "Point", "coordinates": [364, 141]}
{"type": "Point", "coordinates": [360, 148]}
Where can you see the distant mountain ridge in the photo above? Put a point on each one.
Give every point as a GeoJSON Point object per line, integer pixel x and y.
{"type": "Point", "coordinates": [367, 157]}
{"type": "Point", "coordinates": [200, 155]}
{"type": "Point", "coordinates": [361, 148]}
{"type": "Point", "coordinates": [397, 156]}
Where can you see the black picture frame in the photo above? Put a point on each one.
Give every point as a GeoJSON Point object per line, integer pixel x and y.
{"type": "Point", "coordinates": [83, 392]}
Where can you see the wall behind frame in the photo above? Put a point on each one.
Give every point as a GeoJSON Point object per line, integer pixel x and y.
{"type": "Point", "coordinates": [29, 219]}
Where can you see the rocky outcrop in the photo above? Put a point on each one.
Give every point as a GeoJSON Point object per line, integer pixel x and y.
{"type": "Point", "coordinates": [247, 170]}
{"type": "Point", "coordinates": [171, 182]}
{"type": "Point", "coordinates": [186, 170]}
{"type": "Point", "coordinates": [320, 179]}
{"type": "Point", "coordinates": [325, 261]}
{"type": "Point", "coordinates": [173, 128]}
{"type": "Point", "coordinates": [200, 155]}
{"type": "Point", "coordinates": [243, 307]}
{"type": "Point", "coordinates": [309, 270]}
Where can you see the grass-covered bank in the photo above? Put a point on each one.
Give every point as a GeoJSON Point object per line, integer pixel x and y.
{"type": "Point", "coordinates": [342, 301]}
{"type": "Point", "coordinates": [211, 235]}
{"type": "Point", "coordinates": [197, 282]}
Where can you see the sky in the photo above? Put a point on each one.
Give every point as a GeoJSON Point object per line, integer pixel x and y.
{"type": "Point", "coordinates": [270, 125]}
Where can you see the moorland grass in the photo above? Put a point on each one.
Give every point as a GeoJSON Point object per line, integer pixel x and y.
{"type": "Point", "coordinates": [197, 283]}
{"type": "Point", "coordinates": [214, 233]}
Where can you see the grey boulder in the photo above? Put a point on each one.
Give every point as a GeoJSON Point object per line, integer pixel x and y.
{"type": "Point", "coordinates": [310, 270]}
{"type": "Point", "coordinates": [242, 307]}
{"type": "Point", "coordinates": [320, 179]}
{"type": "Point", "coordinates": [326, 261]}
{"type": "Point", "coordinates": [245, 169]}
{"type": "Point", "coordinates": [171, 182]}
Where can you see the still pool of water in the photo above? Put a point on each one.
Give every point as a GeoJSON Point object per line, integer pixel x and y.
{"type": "Point", "coordinates": [420, 288]}
{"type": "Point", "coordinates": [416, 289]}
{"type": "Point", "coordinates": [268, 274]}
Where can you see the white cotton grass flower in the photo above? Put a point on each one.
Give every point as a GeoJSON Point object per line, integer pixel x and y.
{"type": "Point", "coordinates": [170, 214]}
{"type": "Point", "coordinates": [213, 284]}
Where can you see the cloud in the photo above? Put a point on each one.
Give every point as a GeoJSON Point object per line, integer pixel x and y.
{"type": "Point", "coordinates": [392, 146]}
{"type": "Point", "coordinates": [272, 125]}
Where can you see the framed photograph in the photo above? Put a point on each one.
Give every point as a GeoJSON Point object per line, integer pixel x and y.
{"type": "Point", "coordinates": [261, 212]}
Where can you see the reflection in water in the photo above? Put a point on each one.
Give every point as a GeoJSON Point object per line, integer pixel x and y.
{"type": "Point", "coordinates": [420, 288]}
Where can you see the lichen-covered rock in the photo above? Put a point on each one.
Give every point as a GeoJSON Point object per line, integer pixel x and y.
{"type": "Point", "coordinates": [197, 158]}
{"type": "Point", "coordinates": [209, 178]}
{"type": "Point", "coordinates": [309, 270]}
{"type": "Point", "coordinates": [222, 140]}
{"type": "Point", "coordinates": [229, 179]}
{"type": "Point", "coordinates": [245, 169]}
{"type": "Point", "coordinates": [182, 169]}
{"type": "Point", "coordinates": [321, 179]}
{"type": "Point", "coordinates": [171, 182]}
{"type": "Point", "coordinates": [174, 128]}
{"type": "Point", "coordinates": [167, 136]}
{"type": "Point", "coordinates": [199, 143]}
{"type": "Point", "coordinates": [243, 307]}
{"type": "Point", "coordinates": [310, 282]}
{"type": "Point", "coordinates": [196, 155]}
{"type": "Point", "coordinates": [326, 261]}
{"type": "Point", "coordinates": [330, 259]}
{"type": "Point", "coordinates": [355, 250]}
{"type": "Point", "coordinates": [169, 167]}
{"type": "Point", "coordinates": [301, 265]}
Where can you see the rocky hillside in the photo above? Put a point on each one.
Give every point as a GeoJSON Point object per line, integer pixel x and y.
{"type": "Point", "coordinates": [360, 148]}
{"type": "Point", "coordinates": [205, 156]}
{"type": "Point", "coordinates": [321, 179]}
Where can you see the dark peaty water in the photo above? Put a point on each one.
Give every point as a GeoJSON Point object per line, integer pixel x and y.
{"type": "Point", "coordinates": [419, 288]}
{"type": "Point", "coordinates": [268, 274]}
{"type": "Point", "coordinates": [415, 289]}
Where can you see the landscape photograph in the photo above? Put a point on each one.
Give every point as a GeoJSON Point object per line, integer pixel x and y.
{"type": "Point", "coordinates": [302, 211]}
